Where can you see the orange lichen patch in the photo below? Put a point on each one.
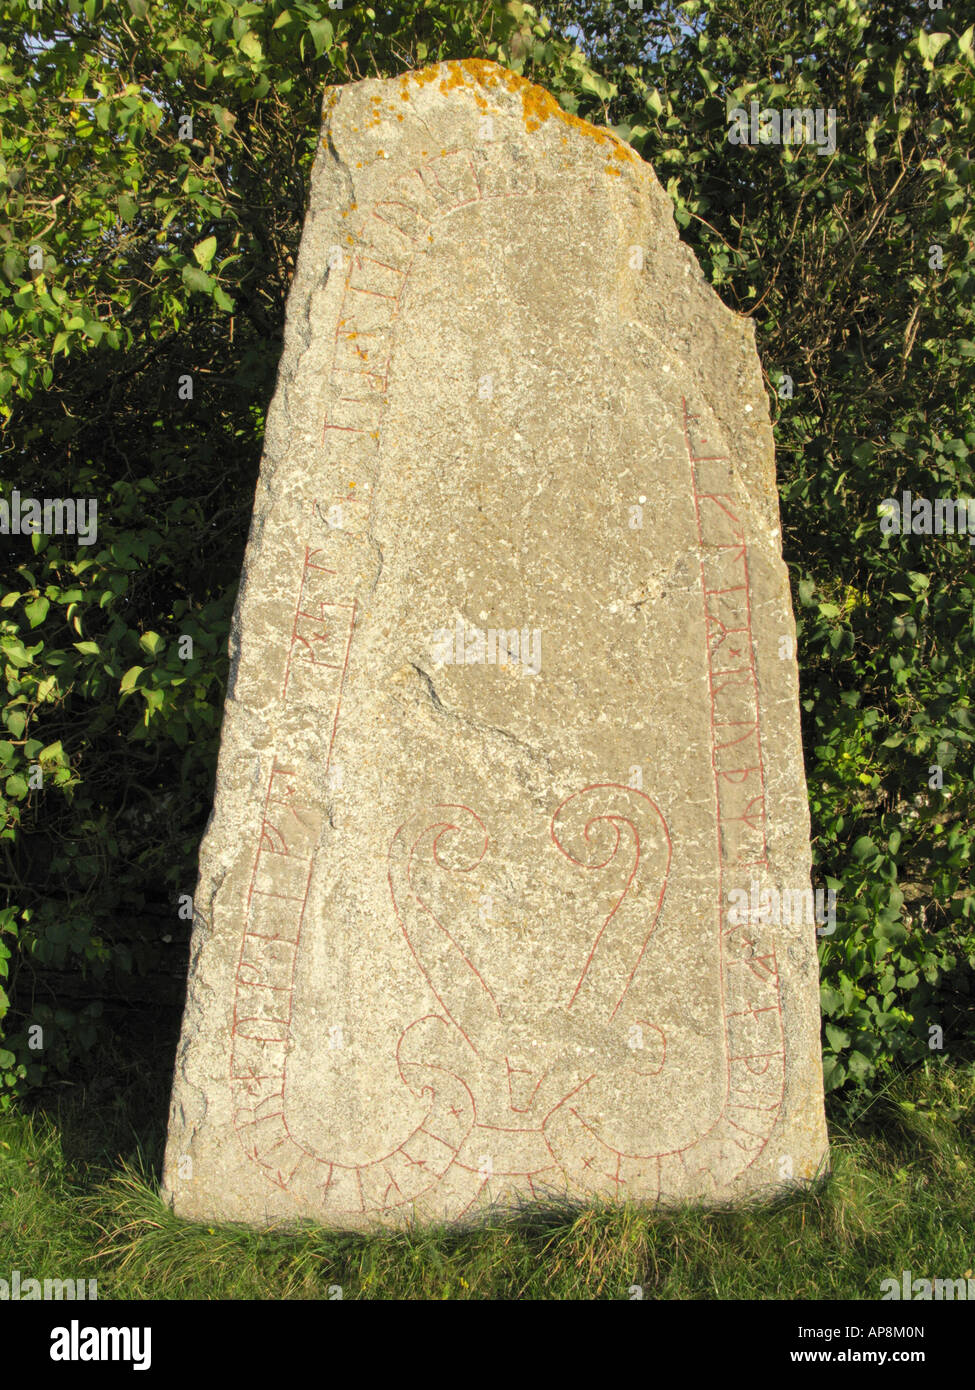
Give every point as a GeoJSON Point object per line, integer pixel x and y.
{"type": "Point", "coordinates": [538, 105]}
{"type": "Point", "coordinates": [614, 172]}
{"type": "Point", "coordinates": [423, 75]}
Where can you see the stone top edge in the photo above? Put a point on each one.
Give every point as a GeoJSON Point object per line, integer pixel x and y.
{"type": "Point", "coordinates": [480, 75]}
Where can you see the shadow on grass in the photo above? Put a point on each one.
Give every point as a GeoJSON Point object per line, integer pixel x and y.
{"type": "Point", "coordinates": [118, 1111]}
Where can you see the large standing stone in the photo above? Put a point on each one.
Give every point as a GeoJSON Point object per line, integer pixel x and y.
{"type": "Point", "coordinates": [513, 714]}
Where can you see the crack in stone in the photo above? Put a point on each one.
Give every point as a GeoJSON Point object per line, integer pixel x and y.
{"type": "Point", "coordinates": [339, 162]}
{"type": "Point", "coordinates": [475, 724]}
{"type": "Point", "coordinates": [431, 691]}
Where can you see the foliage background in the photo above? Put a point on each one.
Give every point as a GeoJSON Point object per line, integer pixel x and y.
{"type": "Point", "coordinates": [139, 250]}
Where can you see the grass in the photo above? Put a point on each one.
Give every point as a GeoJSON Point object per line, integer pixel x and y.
{"type": "Point", "coordinates": [79, 1199]}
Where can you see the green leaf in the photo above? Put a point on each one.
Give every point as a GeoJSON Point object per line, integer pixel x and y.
{"type": "Point", "coordinates": [864, 848]}
{"type": "Point", "coordinates": [892, 932]}
{"type": "Point", "coordinates": [834, 1073]}
{"type": "Point", "coordinates": [130, 678]}
{"type": "Point", "coordinates": [37, 611]}
{"type": "Point", "coordinates": [322, 33]}
{"type": "Point", "coordinates": [250, 44]}
{"type": "Point", "coordinates": [195, 279]}
{"type": "Point", "coordinates": [203, 251]}
{"type": "Point", "coordinates": [16, 786]}
{"type": "Point", "coordinates": [15, 652]}
{"type": "Point", "coordinates": [859, 1066]}
{"type": "Point", "coordinates": [830, 999]}
{"type": "Point", "coordinates": [592, 82]}
{"type": "Point", "coordinates": [930, 45]}
{"type": "Point", "coordinates": [226, 120]}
